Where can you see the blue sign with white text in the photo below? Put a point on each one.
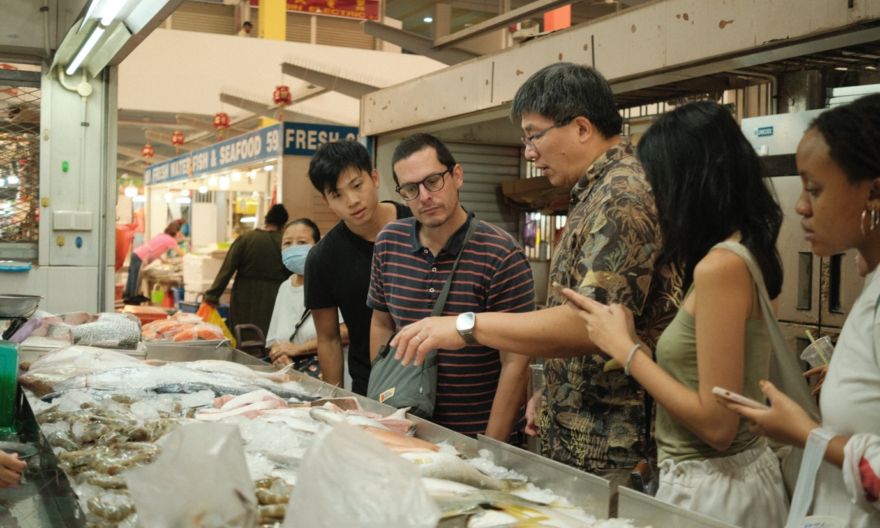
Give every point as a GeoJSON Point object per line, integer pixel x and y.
{"type": "Point", "coordinates": [764, 131]}
{"type": "Point", "coordinates": [303, 139]}
{"type": "Point", "coordinates": [252, 147]}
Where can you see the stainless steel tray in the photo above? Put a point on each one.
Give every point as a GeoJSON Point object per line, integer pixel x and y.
{"type": "Point", "coordinates": [648, 511]}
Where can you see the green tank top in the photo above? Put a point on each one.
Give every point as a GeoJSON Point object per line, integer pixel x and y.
{"type": "Point", "coordinates": [677, 355]}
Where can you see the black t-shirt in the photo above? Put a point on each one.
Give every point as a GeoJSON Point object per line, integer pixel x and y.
{"type": "Point", "coordinates": [338, 274]}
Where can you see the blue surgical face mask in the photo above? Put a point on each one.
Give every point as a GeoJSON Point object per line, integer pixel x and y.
{"type": "Point", "coordinates": [294, 258]}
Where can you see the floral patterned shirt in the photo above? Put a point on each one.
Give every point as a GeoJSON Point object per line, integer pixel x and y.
{"type": "Point", "coordinates": [592, 419]}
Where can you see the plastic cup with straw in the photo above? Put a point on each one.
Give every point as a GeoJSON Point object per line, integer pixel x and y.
{"type": "Point", "coordinates": [819, 352]}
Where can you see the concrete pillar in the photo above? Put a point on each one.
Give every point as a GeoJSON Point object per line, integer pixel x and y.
{"type": "Point", "coordinates": [273, 19]}
{"type": "Point", "coordinates": [442, 19]}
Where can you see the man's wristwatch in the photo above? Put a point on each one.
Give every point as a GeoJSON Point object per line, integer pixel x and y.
{"type": "Point", "coordinates": [465, 326]}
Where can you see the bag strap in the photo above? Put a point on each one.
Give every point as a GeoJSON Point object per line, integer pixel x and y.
{"type": "Point", "coordinates": [789, 378]}
{"type": "Point", "coordinates": [302, 320]}
{"type": "Point", "coordinates": [441, 301]}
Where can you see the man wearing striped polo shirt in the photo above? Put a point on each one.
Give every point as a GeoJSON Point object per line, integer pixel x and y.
{"type": "Point", "coordinates": [480, 390]}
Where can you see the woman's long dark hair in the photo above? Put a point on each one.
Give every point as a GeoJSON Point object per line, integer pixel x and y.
{"type": "Point", "coordinates": [709, 183]}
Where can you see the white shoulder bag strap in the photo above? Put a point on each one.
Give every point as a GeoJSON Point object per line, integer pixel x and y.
{"type": "Point", "coordinates": [785, 372]}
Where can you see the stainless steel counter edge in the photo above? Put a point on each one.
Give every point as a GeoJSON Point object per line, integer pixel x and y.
{"type": "Point", "coordinates": [645, 510]}
{"type": "Point", "coordinates": [584, 490]}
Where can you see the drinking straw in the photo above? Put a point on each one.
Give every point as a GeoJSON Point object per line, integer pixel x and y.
{"type": "Point", "coordinates": [818, 350]}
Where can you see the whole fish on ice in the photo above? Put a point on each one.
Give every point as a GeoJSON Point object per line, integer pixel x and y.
{"type": "Point", "coordinates": [450, 467]}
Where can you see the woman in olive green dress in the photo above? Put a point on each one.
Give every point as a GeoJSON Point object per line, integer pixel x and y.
{"type": "Point", "coordinates": [255, 260]}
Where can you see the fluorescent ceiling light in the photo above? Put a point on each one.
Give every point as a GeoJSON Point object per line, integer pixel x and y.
{"type": "Point", "coordinates": [185, 192]}
{"type": "Point", "coordinates": [203, 189]}
{"type": "Point", "coordinates": [12, 180]}
{"type": "Point", "coordinates": [248, 220]}
{"type": "Point", "coordinates": [236, 176]}
{"type": "Point", "coordinates": [85, 50]}
{"type": "Point", "coordinates": [267, 168]}
{"type": "Point", "coordinates": [184, 200]}
{"type": "Point", "coordinates": [212, 181]}
{"type": "Point", "coordinates": [428, 19]}
{"type": "Point", "coordinates": [224, 183]}
{"type": "Point", "coordinates": [131, 191]}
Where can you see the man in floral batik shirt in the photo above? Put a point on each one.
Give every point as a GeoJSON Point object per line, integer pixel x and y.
{"type": "Point", "coordinates": [590, 419]}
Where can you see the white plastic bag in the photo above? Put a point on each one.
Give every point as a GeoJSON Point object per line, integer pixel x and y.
{"type": "Point", "coordinates": [200, 479]}
{"type": "Point", "coordinates": [349, 479]}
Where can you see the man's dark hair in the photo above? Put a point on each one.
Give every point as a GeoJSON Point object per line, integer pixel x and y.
{"type": "Point", "coordinates": [563, 91]}
{"type": "Point", "coordinates": [853, 133]}
{"type": "Point", "coordinates": [333, 159]}
{"type": "Point", "coordinates": [708, 184]}
{"type": "Point", "coordinates": [246, 23]}
{"type": "Point", "coordinates": [416, 142]}
{"type": "Point", "coordinates": [277, 216]}
{"type": "Point", "coordinates": [316, 233]}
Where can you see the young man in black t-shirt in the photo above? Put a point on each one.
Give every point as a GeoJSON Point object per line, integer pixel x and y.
{"type": "Point", "coordinates": [338, 268]}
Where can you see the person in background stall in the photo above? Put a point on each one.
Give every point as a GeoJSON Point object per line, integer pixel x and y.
{"type": "Point", "coordinates": [146, 253]}
{"type": "Point", "coordinates": [245, 30]}
{"type": "Point", "coordinates": [292, 337]}
{"type": "Point", "coordinates": [338, 269]}
{"type": "Point", "coordinates": [593, 416]}
{"type": "Point", "coordinates": [480, 390]}
{"type": "Point", "coordinates": [255, 261]}
{"type": "Point", "coordinates": [715, 212]}
{"type": "Point", "coordinates": [839, 164]}
{"type": "Point", "coordinates": [11, 469]}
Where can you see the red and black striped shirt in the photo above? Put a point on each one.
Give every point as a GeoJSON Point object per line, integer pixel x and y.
{"type": "Point", "coordinates": [493, 275]}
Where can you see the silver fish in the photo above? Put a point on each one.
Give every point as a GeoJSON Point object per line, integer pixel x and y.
{"type": "Point", "coordinates": [450, 467]}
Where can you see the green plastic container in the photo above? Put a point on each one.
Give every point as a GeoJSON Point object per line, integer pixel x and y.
{"type": "Point", "coordinates": [8, 386]}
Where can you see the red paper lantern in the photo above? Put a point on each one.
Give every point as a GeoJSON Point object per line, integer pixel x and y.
{"type": "Point", "coordinates": [177, 140]}
{"type": "Point", "coordinates": [221, 123]}
{"type": "Point", "coordinates": [282, 98]}
{"type": "Point", "coordinates": [147, 152]}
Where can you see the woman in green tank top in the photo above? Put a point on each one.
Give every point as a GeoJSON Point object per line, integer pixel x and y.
{"type": "Point", "coordinates": [710, 193]}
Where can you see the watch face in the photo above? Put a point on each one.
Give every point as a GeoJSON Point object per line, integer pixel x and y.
{"type": "Point", "coordinates": [465, 321]}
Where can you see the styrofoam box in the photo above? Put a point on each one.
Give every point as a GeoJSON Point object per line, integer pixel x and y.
{"type": "Point", "coordinates": [199, 268]}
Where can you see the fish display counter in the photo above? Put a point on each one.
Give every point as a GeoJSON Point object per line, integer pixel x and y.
{"type": "Point", "coordinates": [103, 414]}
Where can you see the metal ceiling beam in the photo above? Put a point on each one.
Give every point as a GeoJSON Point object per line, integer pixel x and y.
{"type": "Point", "coordinates": [417, 43]}
{"type": "Point", "coordinates": [331, 82]}
{"type": "Point", "coordinates": [511, 17]}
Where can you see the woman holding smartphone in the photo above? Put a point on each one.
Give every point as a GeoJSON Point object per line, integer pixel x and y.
{"type": "Point", "coordinates": [839, 163]}
{"type": "Point", "coordinates": [715, 211]}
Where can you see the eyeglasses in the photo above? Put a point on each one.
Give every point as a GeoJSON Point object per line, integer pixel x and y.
{"type": "Point", "coordinates": [529, 141]}
{"type": "Point", "coordinates": [432, 182]}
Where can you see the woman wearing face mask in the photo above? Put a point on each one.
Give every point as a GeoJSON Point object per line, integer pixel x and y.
{"type": "Point", "coordinates": [292, 335]}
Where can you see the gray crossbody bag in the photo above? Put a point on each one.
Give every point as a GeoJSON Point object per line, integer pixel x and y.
{"type": "Point", "coordinates": [412, 386]}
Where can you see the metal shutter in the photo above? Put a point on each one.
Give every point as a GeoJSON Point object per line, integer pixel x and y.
{"type": "Point", "coordinates": [485, 167]}
{"type": "Point", "coordinates": [204, 17]}
{"type": "Point", "coordinates": [298, 28]}
{"type": "Point", "coordinates": [343, 32]}
{"type": "Point", "coordinates": [322, 215]}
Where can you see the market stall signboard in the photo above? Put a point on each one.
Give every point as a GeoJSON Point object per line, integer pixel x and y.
{"type": "Point", "coordinates": [303, 139]}
{"type": "Point", "coordinates": [360, 9]}
{"type": "Point", "coordinates": [247, 148]}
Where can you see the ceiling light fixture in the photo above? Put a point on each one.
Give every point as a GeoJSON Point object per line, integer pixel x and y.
{"type": "Point", "coordinates": [203, 189]}
{"type": "Point", "coordinates": [85, 50]}
{"type": "Point", "coordinates": [428, 20]}
{"type": "Point", "coordinates": [236, 176]}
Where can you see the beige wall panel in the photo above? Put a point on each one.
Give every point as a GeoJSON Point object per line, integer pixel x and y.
{"type": "Point", "coordinates": [636, 43]}
{"type": "Point", "coordinates": [660, 41]}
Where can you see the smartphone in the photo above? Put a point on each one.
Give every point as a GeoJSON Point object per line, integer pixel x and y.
{"type": "Point", "coordinates": [739, 398]}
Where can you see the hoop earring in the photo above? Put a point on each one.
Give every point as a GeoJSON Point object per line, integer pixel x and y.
{"type": "Point", "coordinates": [873, 222]}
